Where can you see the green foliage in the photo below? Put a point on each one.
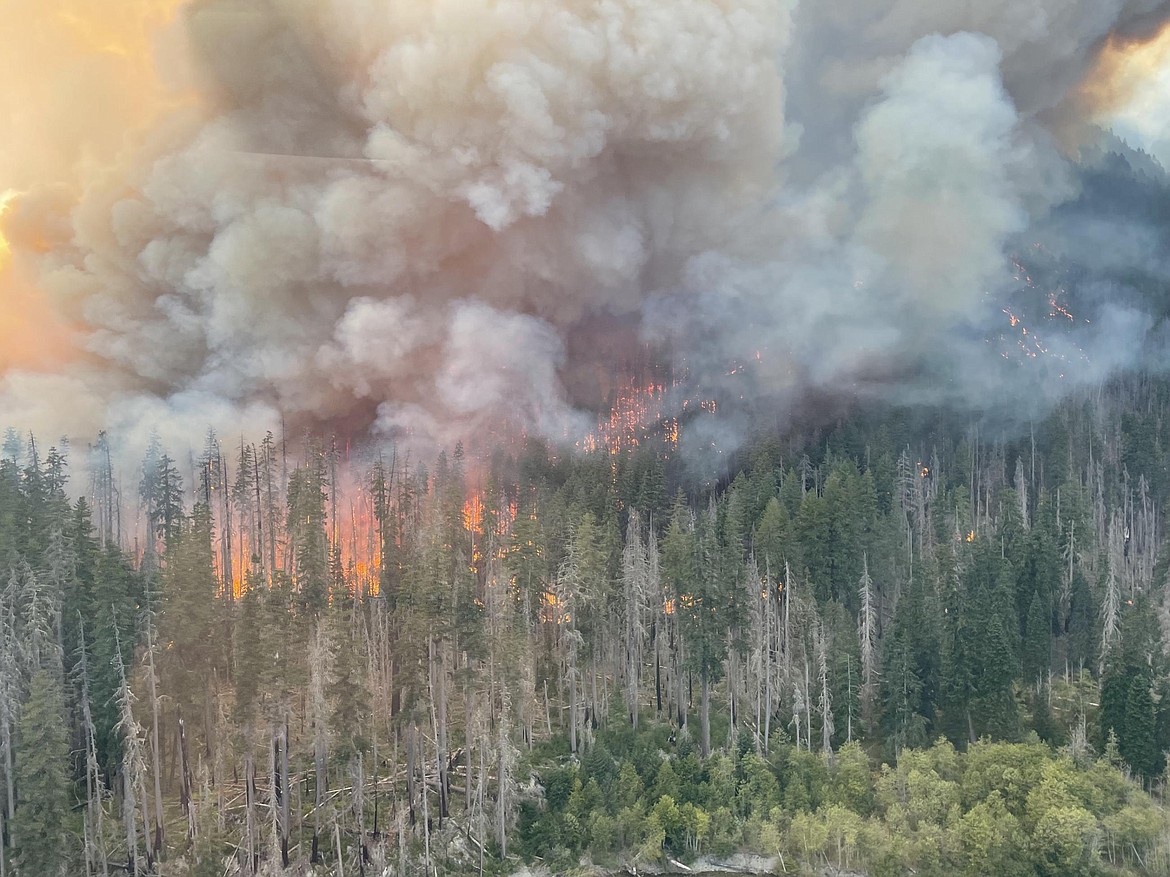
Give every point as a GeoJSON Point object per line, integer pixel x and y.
{"type": "Point", "coordinates": [1127, 704]}
{"type": "Point", "coordinates": [1018, 810]}
{"type": "Point", "coordinates": [42, 828]}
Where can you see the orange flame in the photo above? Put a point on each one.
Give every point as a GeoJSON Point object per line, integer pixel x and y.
{"type": "Point", "coordinates": [473, 513]}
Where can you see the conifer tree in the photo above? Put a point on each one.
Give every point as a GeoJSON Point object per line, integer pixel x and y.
{"type": "Point", "coordinates": [41, 828]}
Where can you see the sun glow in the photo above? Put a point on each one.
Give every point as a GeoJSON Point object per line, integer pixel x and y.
{"type": "Point", "coordinates": [81, 84]}
{"type": "Point", "coordinates": [6, 198]}
{"type": "Point", "coordinates": [1129, 91]}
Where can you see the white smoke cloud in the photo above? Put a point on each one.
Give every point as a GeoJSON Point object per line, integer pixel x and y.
{"type": "Point", "coordinates": [901, 245]}
{"type": "Point", "coordinates": [397, 215]}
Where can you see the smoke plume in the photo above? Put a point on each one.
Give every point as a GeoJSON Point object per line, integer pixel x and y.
{"type": "Point", "coordinates": [403, 218]}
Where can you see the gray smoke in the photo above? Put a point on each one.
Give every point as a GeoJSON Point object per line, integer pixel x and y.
{"type": "Point", "coordinates": [396, 217]}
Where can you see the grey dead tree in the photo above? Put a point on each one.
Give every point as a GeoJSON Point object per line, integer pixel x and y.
{"type": "Point", "coordinates": [568, 588]}
{"type": "Point", "coordinates": [635, 587]}
{"type": "Point", "coordinates": [867, 637]}
{"type": "Point", "coordinates": [96, 854]}
{"type": "Point", "coordinates": [318, 708]}
{"type": "Point", "coordinates": [156, 760]}
{"type": "Point", "coordinates": [509, 677]}
{"type": "Point", "coordinates": [826, 696]}
{"type": "Point", "coordinates": [756, 667]}
{"type": "Point", "coordinates": [770, 598]}
{"type": "Point", "coordinates": [9, 713]}
{"type": "Point", "coordinates": [133, 769]}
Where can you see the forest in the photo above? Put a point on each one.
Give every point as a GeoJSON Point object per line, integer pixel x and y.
{"type": "Point", "coordinates": [905, 643]}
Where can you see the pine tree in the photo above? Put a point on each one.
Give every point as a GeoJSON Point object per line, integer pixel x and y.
{"type": "Point", "coordinates": [307, 496]}
{"type": "Point", "coordinates": [1138, 745]}
{"type": "Point", "coordinates": [1037, 641]}
{"type": "Point", "coordinates": [161, 494]}
{"type": "Point", "coordinates": [1127, 705]}
{"type": "Point", "coordinates": [41, 829]}
{"type": "Point", "coordinates": [981, 649]}
{"type": "Point", "coordinates": [1082, 637]}
{"type": "Point", "coordinates": [189, 622]}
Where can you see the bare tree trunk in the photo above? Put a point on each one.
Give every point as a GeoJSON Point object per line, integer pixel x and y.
{"type": "Point", "coordinates": [438, 677]}
{"type": "Point", "coordinates": [706, 715]}
{"type": "Point", "coordinates": [185, 790]}
{"type": "Point", "coordinates": [337, 841]}
{"type": "Point", "coordinates": [226, 511]}
{"type": "Point", "coordinates": [133, 767]}
{"type": "Point", "coordinates": [280, 753]}
{"type": "Point", "coordinates": [156, 762]}
{"type": "Point", "coordinates": [426, 808]}
{"type": "Point", "coordinates": [286, 802]}
{"type": "Point", "coordinates": [502, 782]}
{"type": "Point", "coordinates": [657, 671]}
{"type": "Point", "coordinates": [401, 845]}
{"type": "Point", "coordinates": [9, 773]}
{"type": "Point", "coordinates": [441, 746]}
{"type": "Point", "coordinates": [826, 701]}
{"type": "Point", "coordinates": [468, 714]}
{"type": "Point", "coordinates": [318, 710]}
{"type": "Point", "coordinates": [130, 817]}
{"type": "Point", "coordinates": [573, 684]}
{"type": "Point", "coordinates": [547, 710]}
{"type": "Point", "coordinates": [141, 771]}
{"type": "Point", "coordinates": [769, 610]}
{"type": "Point", "coordinates": [732, 687]}
{"type": "Point", "coordinates": [411, 766]}
{"type": "Point", "coordinates": [95, 844]}
{"type": "Point", "coordinates": [250, 850]}
{"type": "Point", "coordinates": [594, 704]}
{"type": "Point", "coordinates": [808, 706]}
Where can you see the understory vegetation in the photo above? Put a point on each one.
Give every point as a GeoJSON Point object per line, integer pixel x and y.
{"type": "Point", "coordinates": [993, 809]}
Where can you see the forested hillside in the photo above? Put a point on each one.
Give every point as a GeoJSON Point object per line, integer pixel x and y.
{"type": "Point", "coordinates": [906, 644]}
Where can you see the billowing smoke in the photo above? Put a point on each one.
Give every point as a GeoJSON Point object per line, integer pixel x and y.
{"type": "Point", "coordinates": [397, 217]}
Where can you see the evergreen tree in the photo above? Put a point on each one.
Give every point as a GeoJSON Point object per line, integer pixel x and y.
{"type": "Point", "coordinates": [42, 830]}
{"type": "Point", "coordinates": [1037, 640]}
{"type": "Point", "coordinates": [1082, 630]}
{"type": "Point", "coordinates": [161, 494]}
{"type": "Point", "coordinates": [1127, 705]}
{"type": "Point", "coordinates": [189, 620]}
{"type": "Point", "coordinates": [307, 495]}
{"type": "Point", "coordinates": [981, 649]}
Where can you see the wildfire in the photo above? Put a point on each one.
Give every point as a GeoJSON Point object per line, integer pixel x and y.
{"type": "Point", "coordinates": [552, 609]}
{"type": "Point", "coordinates": [359, 544]}
{"type": "Point", "coordinates": [1057, 309]}
{"type": "Point", "coordinates": [1024, 338]}
{"type": "Point", "coordinates": [473, 513]}
{"type": "Point", "coordinates": [636, 411]}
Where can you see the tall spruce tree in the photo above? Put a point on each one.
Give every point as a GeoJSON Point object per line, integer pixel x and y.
{"type": "Point", "coordinates": [42, 830]}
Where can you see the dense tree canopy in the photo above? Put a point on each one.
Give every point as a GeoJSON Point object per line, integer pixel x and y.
{"type": "Point", "coordinates": [896, 646]}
